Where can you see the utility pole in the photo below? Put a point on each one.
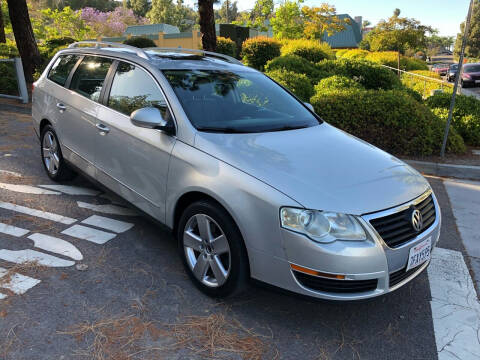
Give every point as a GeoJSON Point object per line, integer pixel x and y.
{"type": "Point", "coordinates": [457, 78]}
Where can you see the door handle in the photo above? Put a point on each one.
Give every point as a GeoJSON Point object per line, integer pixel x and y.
{"type": "Point", "coordinates": [102, 128]}
{"type": "Point", "coordinates": [61, 107]}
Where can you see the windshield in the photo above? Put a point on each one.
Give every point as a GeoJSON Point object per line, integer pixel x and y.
{"type": "Point", "coordinates": [237, 102]}
{"type": "Point", "coordinates": [472, 68]}
{"type": "Point", "coordinates": [454, 67]}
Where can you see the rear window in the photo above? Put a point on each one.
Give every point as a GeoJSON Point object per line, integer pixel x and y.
{"type": "Point", "coordinates": [90, 75]}
{"type": "Point", "coordinates": [62, 68]}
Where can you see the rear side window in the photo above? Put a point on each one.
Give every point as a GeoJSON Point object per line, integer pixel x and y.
{"type": "Point", "coordinates": [90, 75]}
{"type": "Point", "coordinates": [61, 68]}
{"type": "Point", "coordinates": [133, 88]}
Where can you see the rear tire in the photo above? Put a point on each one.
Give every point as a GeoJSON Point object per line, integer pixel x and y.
{"type": "Point", "coordinates": [52, 158]}
{"type": "Point", "coordinates": [212, 249]}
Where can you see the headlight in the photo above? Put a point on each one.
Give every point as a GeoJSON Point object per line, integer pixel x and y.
{"type": "Point", "coordinates": [322, 226]}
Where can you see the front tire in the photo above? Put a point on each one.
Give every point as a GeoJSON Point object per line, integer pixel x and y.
{"type": "Point", "coordinates": [52, 158]}
{"type": "Point", "coordinates": [212, 249]}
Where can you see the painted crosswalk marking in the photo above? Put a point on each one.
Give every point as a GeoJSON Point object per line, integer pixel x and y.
{"type": "Point", "coordinates": [12, 230]}
{"type": "Point", "coordinates": [26, 255]}
{"type": "Point", "coordinates": [56, 245]}
{"type": "Point", "coordinates": [37, 213]}
{"type": "Point", "coordinates": [89, 234]}
{"type": "Point", "coordinates": [72, 190]}
{"type": "Point", "coordinates": [108, 209]}
{"type": "Point", "coordinates": [455, 307]}
{"type": "Point", "coordinates": [108, 224]}
{"type": "Point", "coordinates": [27, 189]}
{"type": "Point", "coordinates": [19, 284]}
{"type": "Point", "coordinates": [2, 296]}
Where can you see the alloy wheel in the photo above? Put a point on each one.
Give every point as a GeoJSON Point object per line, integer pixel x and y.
{"type": "Point", "coordinates": [207, 250]}
{"type": "Point", "coordinates": [50, 153]}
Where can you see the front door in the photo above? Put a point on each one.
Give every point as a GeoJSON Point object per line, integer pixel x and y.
{"type": "Point", "coordinates": [131, 160]}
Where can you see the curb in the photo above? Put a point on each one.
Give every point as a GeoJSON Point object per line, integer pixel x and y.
{"type": "Point", "coordinates": [469, 172]}
{"type": "Point", "coordinates": [13, 108]}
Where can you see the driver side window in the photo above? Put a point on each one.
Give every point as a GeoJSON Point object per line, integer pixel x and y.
{"type": "Point", "coordinates": [133, 89]}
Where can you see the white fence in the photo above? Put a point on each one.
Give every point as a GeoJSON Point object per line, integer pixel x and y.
{"type": "Point", "coordinates": [22, 85]}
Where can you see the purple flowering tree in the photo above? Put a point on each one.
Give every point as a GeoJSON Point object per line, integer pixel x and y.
{"type": "Point", "coordinates": [110, 23]}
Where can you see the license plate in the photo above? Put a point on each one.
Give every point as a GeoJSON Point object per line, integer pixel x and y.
{"type": "Point", "coordinates": [419, 253]}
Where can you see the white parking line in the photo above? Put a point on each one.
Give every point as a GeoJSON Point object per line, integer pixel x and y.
{"type": "Point", "coordinates": [107, 223]}
{"type": "Point", "coordinates": [27, 189]}
{"type": "Point", "coordinates": [56, 245]}
{"type": "Point", "coordinates": [18, 283]}
{"type": "Point", "coordinates": [455, 307]}
{"type": "Point", "coordinates": [12, 230]}
{"type": "Point", "coordinates": [108, 209]}
{"type": "Point", "coordinates": [72, 190]}
{"type": "Point", "coordinates": [27, 255]}
{"type": "Point", "coordinates": [2, 296]}
{"type": "Point", "coordinates": [37, 213]}
{"type": "Point", "coordinates": [89, 234]}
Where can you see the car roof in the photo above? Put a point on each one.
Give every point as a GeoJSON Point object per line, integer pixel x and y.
{"type": "Point", "coordinates": [162, 58]}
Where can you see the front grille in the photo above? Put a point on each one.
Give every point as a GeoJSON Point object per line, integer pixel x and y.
{"type": "Point", "coordinates": [335, 286]}
{"type": "Point", "coordinates": [400, 275]}
{"type": "Point", "coordinates": [397, 229]}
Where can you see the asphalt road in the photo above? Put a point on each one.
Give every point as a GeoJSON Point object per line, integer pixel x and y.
{"type": "Point", "coordinates": [134, 300]}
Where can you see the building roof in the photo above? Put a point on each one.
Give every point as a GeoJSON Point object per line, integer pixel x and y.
{"type": "Point", "coordinates": [138, 30]}
{"type": "Point", "coordinates": [348, 38]}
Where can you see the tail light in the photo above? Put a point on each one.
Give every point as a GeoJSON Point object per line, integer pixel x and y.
{"type": "Point", "coordinates": [467, 76]}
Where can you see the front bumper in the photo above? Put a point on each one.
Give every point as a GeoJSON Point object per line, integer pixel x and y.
{"type": "Point", "coordinates": [367, 268]}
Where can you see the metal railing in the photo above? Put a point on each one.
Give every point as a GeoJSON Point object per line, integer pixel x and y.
{"type": "Point", "coordinates": [21, 83]}
{"type": "Point", "coordinates": [425, 79]}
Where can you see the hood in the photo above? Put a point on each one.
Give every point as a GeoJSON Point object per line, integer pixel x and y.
{"type": "Point", "coordinates": [320, 167]}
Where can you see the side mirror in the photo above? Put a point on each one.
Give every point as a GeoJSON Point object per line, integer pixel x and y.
{"type": "Point", "coordinates": [310, 106]}
{"type": "Point", "coordinates": [150, 118]}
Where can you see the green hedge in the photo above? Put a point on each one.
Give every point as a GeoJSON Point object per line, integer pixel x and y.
{"type": "Point", "coordinates": [370, 76]}
{"type": "Point", "coordinates": [296, 64]}
{"type": "Point", "coordinates": [256, 52]}
{"type": "Point", "coordinates": [391, 120]}
{"type": "Point", "coordinates": [310, 50]}
{"type": "Point", "coordinates": [390, 58]}
{"type": "Point", "coordinates": [466, 115]}
{"type": "Point", "coordinates": [299, 84]}
{"type": "Point", "coordinates": [226, 46]}
{"type": "Point", "coordinates": [337, 82]}
{"type": "Point", "coordinates": [8, 79]}
{"type": "Point", "coordinates": [140, 42]}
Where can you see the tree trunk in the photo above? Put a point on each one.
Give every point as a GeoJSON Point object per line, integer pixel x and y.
{"type": "Point", "coordinates": [2, 25]}
{"type": "Point", "coordinates": [22, 29]}
{"type": "Point", "coordinates": [207, 24]}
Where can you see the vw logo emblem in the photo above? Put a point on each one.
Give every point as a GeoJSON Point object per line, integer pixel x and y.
{"type": "Point", "coordinates": [417, 220]}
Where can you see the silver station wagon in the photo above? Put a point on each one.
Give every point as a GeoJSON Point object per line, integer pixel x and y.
{"type": "Point", "coordinates": [250, 180]}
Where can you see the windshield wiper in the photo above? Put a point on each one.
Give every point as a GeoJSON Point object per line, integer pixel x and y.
{"type": "Point", "coordinates": [289, 127]}
{"type": "Point", "coordinates": [225, 130]}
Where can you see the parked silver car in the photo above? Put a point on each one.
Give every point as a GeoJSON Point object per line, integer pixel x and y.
{"type": "Point", "coordinates": [252, 182]}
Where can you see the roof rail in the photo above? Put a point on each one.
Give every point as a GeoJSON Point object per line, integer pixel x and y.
{"type": "Point", "coordinates": [98, 44]}
{"type": "Point", "coordinates": [197, 51]}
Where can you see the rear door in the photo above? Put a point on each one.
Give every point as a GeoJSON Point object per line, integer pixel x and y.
{"type": "Point", "coordinates": [80, 106]}
{"type": "Point", "coordinates": [131, 160]}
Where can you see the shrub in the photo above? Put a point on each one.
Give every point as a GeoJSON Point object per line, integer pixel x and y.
{"type": "Point", "coordinates": [61, 41]}
{"type": "Point", "coordinates": [226, 46]}
{"type": "Point", "coordinates": [299, 84]}
{"type": "Point", "coordinates": [391, 120]}
{"type": "Point", "coordinates": [466, 115]}
{"type": "Point", "coordinates": [413, 93]}
{"type": "Point", "coordinates": [339, 53]}
{"type": "Point", "coordinates": [370, 76]}
{"type": "Point", "coordinates": [140, 42]}
{"type": "Point", "coordinates": [8, 79]}
{"type": "Point", "coordinates": [356, 54]}
{"type": "Point", "coordinates": [422, 85]}
{"type": "Point", "coordinates": [337, 82]}
{"type": "Point", "coordinates": [296, 64]}
{"type": "Point", "coordinates": [8, 50]}
{"type": "Point", "coordinates": [310, 50]}
{"type": "Point", "coordinates": [256, 52]}
{"type": "Point", "coordinates": [390, 58]}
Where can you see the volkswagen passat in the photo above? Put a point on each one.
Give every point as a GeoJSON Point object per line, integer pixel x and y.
{"type": "Point", "coordinates": [251, 181]}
